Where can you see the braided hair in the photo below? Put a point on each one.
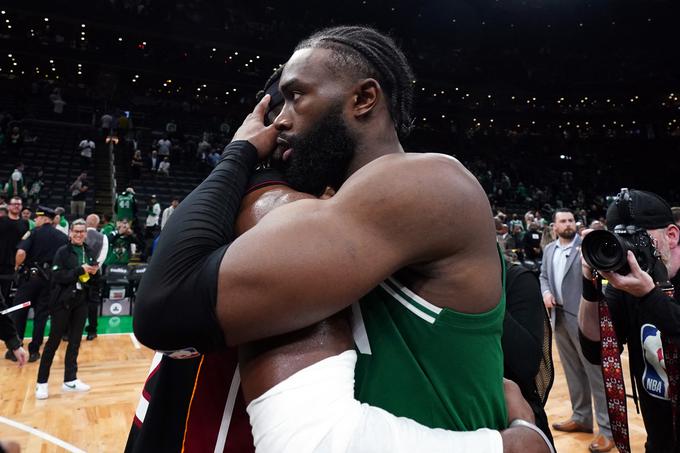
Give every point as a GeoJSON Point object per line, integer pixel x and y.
{"type": "Point", "coordinates": [369, 53]}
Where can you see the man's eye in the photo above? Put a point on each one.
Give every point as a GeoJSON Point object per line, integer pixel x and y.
{"type": "Point", "coordinates": [296, 95]}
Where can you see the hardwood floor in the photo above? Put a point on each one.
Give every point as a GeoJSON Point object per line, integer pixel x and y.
{"type": "Point", "coordinates": [98, 421]}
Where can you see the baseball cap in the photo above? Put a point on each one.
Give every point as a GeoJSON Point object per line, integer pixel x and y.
{"type": "Point", "coordinates": [130, 190]}
{"type": "Point", "coordinates": [647, 210]}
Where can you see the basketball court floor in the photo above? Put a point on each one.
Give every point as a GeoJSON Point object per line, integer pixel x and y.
{"type": "Point", "coordinates": [115, 365]}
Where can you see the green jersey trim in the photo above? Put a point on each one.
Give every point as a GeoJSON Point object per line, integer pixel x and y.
{"type": "Point", "coordinates": [414, 303]}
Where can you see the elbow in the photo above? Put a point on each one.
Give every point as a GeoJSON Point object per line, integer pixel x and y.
{"type": "Point", "coordinates": [146, 322]}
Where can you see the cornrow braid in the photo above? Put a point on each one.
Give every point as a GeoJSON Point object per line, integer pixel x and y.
{"type": "Point", "coordinates": [369, 53]}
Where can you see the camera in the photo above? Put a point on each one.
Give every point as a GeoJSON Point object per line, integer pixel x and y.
{"type": "Point", "coordinates": [607, 251]}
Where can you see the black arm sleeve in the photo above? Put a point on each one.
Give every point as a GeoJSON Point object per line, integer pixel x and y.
{"type": "Point", "coordinates": [175, 306]}
{"type": "Point", "coordinates": [8, 333]}
{"type": "Point", "coordinates": [523, 326]}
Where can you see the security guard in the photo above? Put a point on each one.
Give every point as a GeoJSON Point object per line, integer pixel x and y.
{"type": "Point", "coordinates": [34, 256]}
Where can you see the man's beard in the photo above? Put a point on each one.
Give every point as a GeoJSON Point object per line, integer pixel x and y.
{"type": "Point", "coordinates": [321, 157]}
{"type": "Point", "coordinates": [568, 234]}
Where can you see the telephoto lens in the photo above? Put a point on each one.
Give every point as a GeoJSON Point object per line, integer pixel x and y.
{"type": "Point", "coordinates": [606, 251]}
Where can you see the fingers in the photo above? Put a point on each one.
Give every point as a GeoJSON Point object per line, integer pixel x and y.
{"type": "Point", "coordinates": [261, 107]}
{"type": "Point", "coordinates": [632, 262]}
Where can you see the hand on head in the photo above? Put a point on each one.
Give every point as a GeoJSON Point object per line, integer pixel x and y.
{"type": "Point", "coordinates": [254, 131]}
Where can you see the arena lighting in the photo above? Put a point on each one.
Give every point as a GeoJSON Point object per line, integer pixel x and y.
{"type": "Point", "coordinates": [120, 39]}
{"type": "Point", "coordinates": [46, 19]}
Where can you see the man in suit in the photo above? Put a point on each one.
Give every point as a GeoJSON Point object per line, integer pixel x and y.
{"type": "Point", "coordinates": [561, 285]}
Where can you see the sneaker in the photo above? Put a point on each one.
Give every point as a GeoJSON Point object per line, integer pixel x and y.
{"type": "Point", "coordinates": [9, 355]}
{"type": "Point", "coordinates": [33, 356]}
{"type": "Point", "coordinates": [75, 386]}
{"type": "Point", "coordinates": [41, 391]}
{"type": "Point", "coordinates": [91, 336]}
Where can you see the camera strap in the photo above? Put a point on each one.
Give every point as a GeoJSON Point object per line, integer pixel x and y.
{"type": "Point", "coordinates": [612, 373]}
{"type": "Point", "coordinates": [671, 356]}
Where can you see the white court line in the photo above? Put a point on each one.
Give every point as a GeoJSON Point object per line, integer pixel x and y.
{"type": "Point", "coordinates": [37, 432]}
{"type": "Point", "coordinates": [135, 341]}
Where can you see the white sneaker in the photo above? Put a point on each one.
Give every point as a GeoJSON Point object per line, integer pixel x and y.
{"type": "Point", "coordinates": [75, 386]}
{"type": "Point", "coordinates": [41, 391]}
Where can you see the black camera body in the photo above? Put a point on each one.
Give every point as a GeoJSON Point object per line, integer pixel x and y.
{"type": "Point", "coordinates": [607, 251]}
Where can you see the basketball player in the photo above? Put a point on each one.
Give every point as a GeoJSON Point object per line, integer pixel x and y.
{"type": "Point", "coordinates": [409, 235]}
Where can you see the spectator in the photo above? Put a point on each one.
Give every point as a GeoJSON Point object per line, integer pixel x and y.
{"type": "Point", "coordinates": [12, 228]}
{"type": "Point", "coordinates": [126, 206]}
{"type": "Point", "coordinates": [136, 165]}
{"type": "Point", "coordinates": [59, 221]}
{"type": "Point", "coordinates": [16, 141]}
{"type": "Point", "coordinates": [86, 147]}
{"type": "Point", "coordinates": [153, 214]}
{"type": "Point", "coordinates": [79, 190]}
{"type": "Point", "coordinates": [57, 102]}
{"type": "Point", "coordinates": [26, 215]}
{"type": "Point", "coordinates": [164, 167]}
{"type": "Point", "coordinates": [167, 212]}
{"type": "Point", "coordinates": [153, 161]}
{"type": "Point", "coordinates": [99, 245]}
{"type": "Point", "coordinates": [15, 186]}
{"type": "Point", "coordinates": [36, 188]}
{"type": "Point", "coordinates": [164, 145]}
{"type": "Point", "coordinates": [120, 244]}
{"type": "Point", "coordinates": [106, 123]}
{"type": "Point", "coordinates": [107, 225]}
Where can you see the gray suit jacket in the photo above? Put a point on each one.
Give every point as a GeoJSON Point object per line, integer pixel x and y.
{"type": "Point", "coordinates": [572, 284]}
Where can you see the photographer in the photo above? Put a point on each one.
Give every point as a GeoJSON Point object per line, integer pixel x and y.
{"type": "Point", "coordinates": [641, 313]}
{"type": "Point", "coordinates": [72, 273]}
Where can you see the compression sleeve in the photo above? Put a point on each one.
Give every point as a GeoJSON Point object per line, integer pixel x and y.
{"type": "Point", "coordinates": [175, 305]}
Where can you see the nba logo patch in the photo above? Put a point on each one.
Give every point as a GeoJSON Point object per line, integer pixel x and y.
{"type": "Point", "coordinates": [654, 378]}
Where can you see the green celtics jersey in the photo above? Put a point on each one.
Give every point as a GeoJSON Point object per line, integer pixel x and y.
{"type": "Point", "coordinates": [124, 206]}
{"type": "Point", "coordinates": [439, 367]}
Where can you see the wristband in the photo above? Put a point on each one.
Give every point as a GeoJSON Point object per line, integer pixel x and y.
{"type": "Point", "coordinates": [518, 422]}
{"type": "Point", "coordinates": [591, 292]}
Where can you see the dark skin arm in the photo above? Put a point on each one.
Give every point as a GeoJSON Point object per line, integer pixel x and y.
{"type": "Point", "coordinates": [267, 362]}
{"type": "Point", "coordinates": [367, 229]}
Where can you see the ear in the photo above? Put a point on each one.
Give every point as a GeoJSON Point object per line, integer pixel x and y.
{"type": "Point", "coordinates": [673, 234]}
{"type": "Point", "coordinates": [367, 92]}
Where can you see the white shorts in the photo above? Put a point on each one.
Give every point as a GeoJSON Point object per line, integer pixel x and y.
{"type": "Point", "coordinates": [314, 410]}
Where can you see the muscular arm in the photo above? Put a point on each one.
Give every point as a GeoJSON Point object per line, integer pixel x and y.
{"type": "Point", "coordinates": [317, 257]}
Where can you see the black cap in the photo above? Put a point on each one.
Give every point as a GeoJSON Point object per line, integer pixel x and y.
{"type": "Point", "coordinates": [639, 208]}
{"type": "Point", "coordinates": [47, 212]}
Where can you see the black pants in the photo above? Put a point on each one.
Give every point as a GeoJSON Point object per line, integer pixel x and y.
{"type": "Point", "coordinates": [74, 318]}
{"type": "Point", "coordinates": [37, 290]}
{"type": "Point", "coordinates": [93, 301]}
